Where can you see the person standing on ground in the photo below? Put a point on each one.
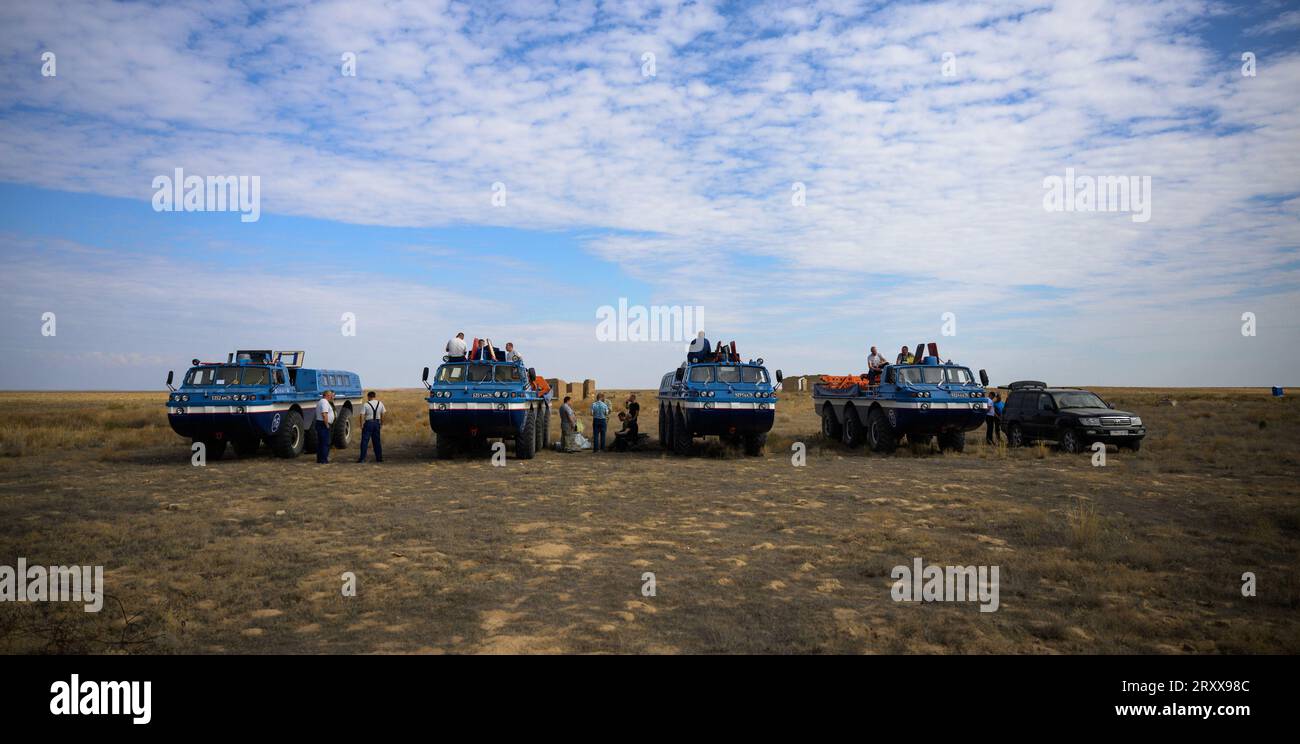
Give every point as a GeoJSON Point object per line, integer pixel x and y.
{"type": "Point", "coordinates": [599, 422]}
{"type": "Point", "coordinates": [372, 419]}
{"type": "Point", "coordinates": [568, 424]}
{"type": "Point", "coordinates": [324, 420]}
{"type": "Point", "coordinates": [991, 434]}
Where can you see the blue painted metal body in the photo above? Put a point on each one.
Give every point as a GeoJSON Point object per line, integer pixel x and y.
{"type": "Point", "coordinates": [917, 399]}
{"type": "Point", "coordinates": [483, 399]}
{"type": "Point", "coordinates": [213, 403]}
{"type": "Point", "coordinates": [720, 398]}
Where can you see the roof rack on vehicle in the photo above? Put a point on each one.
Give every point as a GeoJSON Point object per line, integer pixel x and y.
{"type": "Point", "coordinates": [1026, 385]}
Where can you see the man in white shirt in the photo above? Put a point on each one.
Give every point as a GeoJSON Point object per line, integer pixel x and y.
{"type": "Point", "coordinates": [324, 420]}
{"type": "Point", "coordinates": [372, 419]}
{"type": "Point", "coordinates": [456, 348]}
{"type": "Point", "coordinates": [511, 354]}
{"type": "Point", "coordinates": [875, 363]}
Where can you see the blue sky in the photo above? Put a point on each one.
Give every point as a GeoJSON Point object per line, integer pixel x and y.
{"type": "Point", "coordinates": [923, 190]}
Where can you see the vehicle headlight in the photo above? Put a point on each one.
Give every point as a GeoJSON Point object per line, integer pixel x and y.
{"type": "Point", "coordinates": [501, 406]}
{"type": "Point", "coordinates": [708, 405]}
{"type": "Point", "coordinates": [442, 406]}
{"type": "Point", "coordinates": [1137, 420]}
{"type": "Point", "coordinates": [762, 406]}
{"type": "Point", "coordinates": [1087, 421]}
{"type": "Point", "coordinates": [185, 397]}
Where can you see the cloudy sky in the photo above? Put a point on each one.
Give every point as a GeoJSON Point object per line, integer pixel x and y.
{"type": "Point", "coordinates": [818, 177]}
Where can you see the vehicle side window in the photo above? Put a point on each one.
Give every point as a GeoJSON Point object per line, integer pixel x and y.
{"type": "Point", "coordinates": [677, 377]}
{"type": "Point", "coordinates": [279, 377]}
{"type": "Point", "coordinates": [1045, 404]}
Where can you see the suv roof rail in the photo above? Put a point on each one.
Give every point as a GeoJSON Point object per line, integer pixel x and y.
{"type": "Point", "coordinates": [1027, 385]}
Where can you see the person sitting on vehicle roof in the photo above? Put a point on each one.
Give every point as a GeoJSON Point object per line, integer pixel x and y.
{"type": "Point", "coordinates": [456, 348]}
{"type": "Point", "coordinates": [698, 349]}
{"type": "Point", "coordinates": [904, 357]}
{"type": "Point", "coordinates": [875, 363]}
{"type": "Point", "coordinates": [511, 354]}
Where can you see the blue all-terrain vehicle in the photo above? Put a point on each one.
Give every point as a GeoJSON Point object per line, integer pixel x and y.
{"type": "Point", "coordinates": [483, 397]}
{"type": "Point", "coordinates": [259, 396]}
{"type": "Point", "coordinates": [717, 396]}
{"type": "Point", "coordinates": [919, 401]}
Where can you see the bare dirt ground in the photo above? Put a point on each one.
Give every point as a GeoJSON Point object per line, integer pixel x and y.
{"type": "Point", "coordinates": [1143, 555]}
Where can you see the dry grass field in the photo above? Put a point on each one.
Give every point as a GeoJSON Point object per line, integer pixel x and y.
{"type": "Point", "coordinates": [1144, 555]}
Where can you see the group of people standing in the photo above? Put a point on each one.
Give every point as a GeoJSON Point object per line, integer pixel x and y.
{"type": "Point", "coordinates": [624, 438]}
{"type": "Point", "coordinates": [458, 351]}
{"type": "Point", "coordinates": [372, 421]}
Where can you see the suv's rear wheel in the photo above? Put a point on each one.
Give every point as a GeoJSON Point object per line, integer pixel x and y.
{"type": "Point", "coordinates": [1133, 445]}
{"type": "Point", "coordinates": [852, 429]}
{"type": "Point", "coordinates": [831, 428]}
{"type": "Point", "coordinates": [665, 441]}
{"type": "Point", "coordinates": [880, 435]}
{"type": "Point", "coordinates": [291, 438]}
{"type": "Point", "coordinates": [1015, 436]}
{"type": "Point", "coordinates": [1070, 441]}
{"type": "Point", "coordinates": [526, 441]}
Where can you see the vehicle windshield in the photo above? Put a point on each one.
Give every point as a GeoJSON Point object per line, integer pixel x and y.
{"type": "Point", "coordinates": [958, 375]}
{"type": "Point", "coordinates": [257, 376]}
{"type": "Point", "coordinates": [478, 372]}
{"type": "Point", "coordinates": [451, 373]}
{"type": "Point", "coordinates": [753, 374]}
{"type": "Point", "coordinates": [922, 375]}
{"type": "Point", "coordinates": [214, 376]}
{"type": "Point", "coordinates": [1080, 399]}
{"type": "Point", "coordinates": [701, 374]}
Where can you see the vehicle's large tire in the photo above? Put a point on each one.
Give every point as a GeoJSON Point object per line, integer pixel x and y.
{"type": "Point", "coordinates": [546, 428]}
{"type": "Point", "coordinates": [681, 436]}
{"type": "Point", "coordinates": [444, 446]}
{"type": "Point", "coordinates": [309, 438]}
{"type": "Point", "coordinates": [852, 429]}
{"type": "Point", "coordinates": [1069, 441]}
{"type": "Point", "coordinates": [246, 446]}
{"type": "Point", "coordinates": [831, 428]}
{"type": "Point", "coordinates": [539, 441]}
{"type": "Point", "coordinates": [526, 441]}
{"type": "Point", "coordinates": [754, 443]}
{"type": "Point", "coordinates": [213, 448]}
{"type": "Point", "coordinates": [665, 434]}
{"type": "Point", "coordinates": [1133, 446]}
{"type": "Point", "coordinates": [953, 440]}
{"type": "Point", "coordinates": [291, 438]}
{"type": "Point", "coordinates": [341, 432]}
{"type": "Point", "coordinates": [880, 435]}
{"type": "Point", "coordinates": [1015, 436]}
